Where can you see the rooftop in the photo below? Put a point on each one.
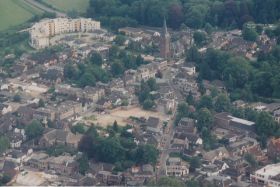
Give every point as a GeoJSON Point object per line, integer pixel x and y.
{"type": "Point", "coordinates": [269, 170]}
{"type": "Point", "coordinates": [243, 121]}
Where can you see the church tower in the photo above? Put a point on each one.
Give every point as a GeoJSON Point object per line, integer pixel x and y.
{"type": "Point", "coordinates": [165, 42]}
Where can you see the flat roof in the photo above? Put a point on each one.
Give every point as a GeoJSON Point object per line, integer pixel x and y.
{"type": "Point", "coordinates": [243, 121]}
{"type": "Point", "coordinates": [269, 170]}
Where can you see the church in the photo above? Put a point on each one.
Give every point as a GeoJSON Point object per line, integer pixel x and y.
{"type": "Point", "coordinates": [165, 51]}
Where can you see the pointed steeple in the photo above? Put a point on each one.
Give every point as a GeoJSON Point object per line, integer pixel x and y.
{"type": "Point", "coordinates": [165, 31]}
{"type": "Point", "coordinates": [165, 41]}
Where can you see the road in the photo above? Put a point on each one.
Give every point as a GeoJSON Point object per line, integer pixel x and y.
{"type": "Point", "coordinates": [45, 8]}
{"type": "Point", "coordinates": [166, 141]}
{"type": "Point", "coordinates": [168, 133]}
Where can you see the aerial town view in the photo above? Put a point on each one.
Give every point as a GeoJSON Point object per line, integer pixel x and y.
{"type": "Point", "coordinates": [175, 93]}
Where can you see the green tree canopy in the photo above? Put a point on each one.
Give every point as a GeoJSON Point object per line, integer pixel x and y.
{"type": "Point", "coordinates": [200, 38]}
{"type": "Point", "coordinates": [222, 103]}
{"type": "Point", "coordinates": [96, 58]}
{"type": "Point", "coordinates": [4, 144]}
{"type": "Point", "coordinates": [249, 33]}
{"type": "Point", "coordinates": [34, 130]}
{"type": "Point", "coordinates": [265, 124]}
{"type": "Point", "coordinates": [204, 119]}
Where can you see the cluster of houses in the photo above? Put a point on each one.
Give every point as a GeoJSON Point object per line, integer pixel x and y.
{"type": "Point", "coordinates": [226, 165]}
{"type": "Point", "coordinates": [41, 78]}
{"type": "Point", "coordinates": [232, 41]}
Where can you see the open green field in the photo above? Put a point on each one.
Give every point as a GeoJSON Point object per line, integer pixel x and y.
{"type": "Point", "coordinates": [15, 12]}
{"type": "Point", "coordinates": [68, 5]}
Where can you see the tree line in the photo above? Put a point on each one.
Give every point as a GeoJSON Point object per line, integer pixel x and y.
{"type": "Point", "coordinates": [192, 13]}
{"type": "Point", "coordinates": [244, 79]}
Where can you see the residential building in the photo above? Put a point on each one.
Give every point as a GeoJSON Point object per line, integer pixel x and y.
{"type": "Point", "coordinates": [59, 137]}
{"type": "Point", "coordinates": [216, 154]}
{"type": "Point", "coordinates": [266, 175]}
{"type": "Point", "coordinates": [44, 114]}
{"type": "Point", "coordinates": [273, 149]}
{"type": "Point", "coordinates": [176, 167]}
{"type": "Point", "coordinates": [153, 125]}
{"type": "Point", "coordinates": [226, 121]}
{"type": "Point", "coordinates": [68, 109]}
{"type": "Point", "coordinates": [41, 32]}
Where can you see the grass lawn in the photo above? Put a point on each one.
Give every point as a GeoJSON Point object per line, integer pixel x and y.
{"type": "Point", "coordinates": [68, 5]}
{"type": "Point", "coordinates": [15, 12]}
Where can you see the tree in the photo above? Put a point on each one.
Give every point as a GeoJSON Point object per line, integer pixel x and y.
{"type": "Point", "coordinates": [249, 33]}
{"type": "Point", "coordinates": [17, 98]}
{"type": "Point", "coordinates": [115, 126]}
{"type": "Point", "coordinates": [237, 72]}
{"type": "Point", "coordinates": [276, 86]}
{"type": "Point", "coordinates": [78, 128]}
{"type": "Point", "coordinates": [113, 52]}
{"type": "Point", "coordinates": [4, 179]}
{"type": "Point", "coordinates": [120, 39]}
{"type": "Point", "coordinates": [265, 124]}
{"type": "Point", "coordinates": [96, 58]}
{"type": "Point", "coordinates": [70, 72]}
{"type": "Point", "coordinates": [251, 160]}
{"type": "Point", "coordinates": [110, 151]}
{"type": "Point", "coordinates": [175, 15]}
{"type": "Point", "coordinates": [4, 144]}
{"type": "Point", "coordinates": [87, 79]}
{"type": "Point", "coordinates": [259, 29]}
{"type": "Point", "coordinates": [41, 103]}
{"type": "Point", "coordinates": [222, 103]}
{"type": "Point", "coordinates": [193, 55]}
{"type": "Point", "coordinates": [208, 28]}
{"type": "Point", "coordinates": [190, 99]}
{"type": "Point", "coordinates": [73, 14]}
{"type": "Point", "coordinates": [206, 102]}
{"type": "Point", "coordinates": [209, 140]}
{"type": "Point", "coordinates": [148, 104]}
{"type": "Point", "coordinates": [139, 60]}
{"type": "Point", "coordinates": [194, 163]}
{"type": "Point", "coordinates": [83, 164]}
{"type": "Point", "coordinates": [192, 183]}
{"type": "Point", "coordinates": [34, 130]}
{"type": "Point", "coordinates": [152, 84]}
{"type": "Point", "coordinates": [86, 146]}
{"type": "Point", "coordinates": [182, 111]}
{"type": "Point", "coordinates": [117, 69]}
{"type": "Point", "coordinates": [204, 119]}
{"type": "Point", "coordinates": [146, 154]}
{"type": "Point", "coordinates": [201, 88]}
{"type": "Point", "coordinates": [199, 38]}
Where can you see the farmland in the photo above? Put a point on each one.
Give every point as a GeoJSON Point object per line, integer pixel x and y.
{"type": "Point", "coordinates": [15, 12]}
{"type": "Point", "coordinates": [69, 5]}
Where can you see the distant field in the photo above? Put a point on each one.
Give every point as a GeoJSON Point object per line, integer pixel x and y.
{"type": "Point", "coordinates": [15, 12]}
{"type": "Point", "coordinates": [68, 5]}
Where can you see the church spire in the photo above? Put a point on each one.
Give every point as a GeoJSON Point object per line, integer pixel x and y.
{"type": "Point", "coordinates": [165, 31]}
{"type": "Point", "coordinates": [165, 42]}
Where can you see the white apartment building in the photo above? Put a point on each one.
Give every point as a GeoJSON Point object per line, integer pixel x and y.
{"type": "Point", "coordinates": [267, 176]}
{"type": "Point", "coordinates": [176, 167]}
{"type": "Point", "coordinates": [41, 32]}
